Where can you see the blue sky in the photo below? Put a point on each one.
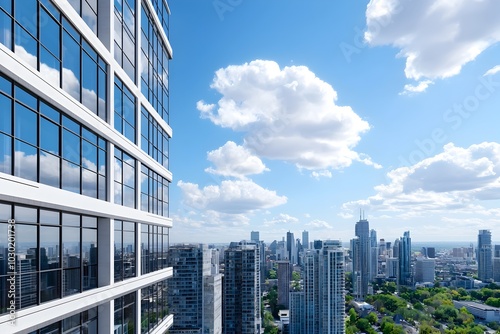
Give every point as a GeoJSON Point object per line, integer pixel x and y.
{"type": "Point", "coordinates": [292, 116]}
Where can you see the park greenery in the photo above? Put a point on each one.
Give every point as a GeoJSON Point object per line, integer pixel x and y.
{"type": "Point", "coordinates": [430, 310]}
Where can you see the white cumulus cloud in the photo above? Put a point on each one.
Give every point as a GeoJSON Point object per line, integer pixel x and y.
{"type": "Point", "coordinates": [235, 161]}
{"type": "Point", "coordinates": [456, 180]}
{"type": "Point", "coordinates": [286, 114]}
{"type": "Point", "coordinates": [437, 37]}
{"type": "Point", "coordinates": [410, 89]}
{"type": "Point", "coordinates": [230, 197]}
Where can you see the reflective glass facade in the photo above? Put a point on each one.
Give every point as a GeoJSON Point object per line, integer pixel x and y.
{"type": "Point", "coordinates": [154, 192]}
{"type": "Point", "coordinates": [124, 315]}
{"type": "Point", "coordinates": [124, 176]}
{"type": "Point", "coordinates": [161, 9]}
{"type": "Point", "coordinates": [125, 250]}
{"type": "Point", "coordinates": [87, 9]}
{"type": "Point", "coordinates": [42, 37]}
{"type": "Point", "coordinates": [154, 140]}
{"type": "Point", "coordinates": [154, 65]}
{"type": "Point", "coordinates": [39, 143]}
{"type": "Point", "coordinates": [154, 248]}
{"type": "Point", "coordinates": [56, 254]}
{"type": "Point", "coordinates": [154, 306]}
{"type": "Point", "coordinates": [125, 36]}
{"type": "Point", "coordinates": [124, 111]}
{"type": "Point", "coordinates": [78, 183]}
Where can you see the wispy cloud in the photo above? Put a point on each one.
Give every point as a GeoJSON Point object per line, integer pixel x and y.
{"type": "Point", "coordinates": [492, 71]}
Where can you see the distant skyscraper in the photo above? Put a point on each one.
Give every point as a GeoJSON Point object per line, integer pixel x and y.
{"type": "Point", "coordinates": [190, 264]}
{"type": "Point", "coordinates": [305, 239]}
{"type": "Point", "coordinates": [484, 256]}
{"type": "Point", "coordinates": [425, 270]}
{"type": "Point", "coordinates": [391, 267]}
{"type": "Point", "coordinates": [496, 263]}
{"type": "Point", "coordinates": [241, 289]}
{"type": "Point", "coordinates": [373, 255]}
{"type": "Point", "coordinates": [361, 259]}
{"type": "Point", "coordinates": [284, 278]}
{"type": "Point", "coordinates": [404, 257]}
{"type": "Point", "coordinates": [254, 236]}
{"type": "Point", "coordinates": [290, 247]}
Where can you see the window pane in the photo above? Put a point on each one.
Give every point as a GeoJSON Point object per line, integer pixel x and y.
{"type": "Point", "coordinates": [89, 221]}
{"type": "Point", "coordinates": [25, 164]}
{"type": "Point", "coordinates": [72, 279]}
{"type": "Point", "coordinates": [70, 219]}
{"type": "Point", "coordinates": [50, 112]}
{"type": "Point", "coordinates": [26, 124]}
{"type": "Point", "coordinates": [49, 217]}
{"type": "Point", "coordinates": [26, 289]}
{"type": "Point", "coordinates": [49, 136]}
{"type": "Point", "coordinates": [71, 66]}
{"type": "Point", "coordinates": [5, 114]}
{"type": "Point", "coordinates": [70, 177]}
{"type": "Point", "coordinates": [49, 245]}
{"type": "Point", "coordinates": [50, 285]}
{"type": "Point", "coordinates": [26, 45]}
{"type": "Point", "coordinates": [6, 30]}
{"type": "Point", "coordinates": [5, 154]}
{"type": "Point", "coordinates": [26, 250]}
{"type": "Point", "coordinates": [71, 146]}
{"type": "Point", "coordinates": [71, 247]}
{"type": "Point", "coordinates": [89, 158]}
{"type": "Point", "coordinates": [50, 169]}
{"type": "Point", "coordinates": [89, 98]}
{"type": "Point", "coordinates": [89, 16]}
{"type": "Point", "coordinates": [89, 245]}
{"type": "Point", "coordinates": [50, 67]}
{"type": "Point", "coordinates": [49, 35]}
{"type": "Point", "coordinates": [89, 184]}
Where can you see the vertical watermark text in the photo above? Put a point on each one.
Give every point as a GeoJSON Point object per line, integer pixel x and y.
{"type": "Point", "coordinates": [11, 264]}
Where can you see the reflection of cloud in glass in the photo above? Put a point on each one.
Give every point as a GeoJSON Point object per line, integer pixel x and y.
{"type": "Point", "coordinates": [70, 83]}
{"type": "Point", "coordinates": [128, 174]}
{"type": "Point", "coordinates": [26, 164]}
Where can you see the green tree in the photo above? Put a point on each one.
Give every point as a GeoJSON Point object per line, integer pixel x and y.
{"type": "Point", "coordinates": [272, 274]}
{"type": "Point", "coordinates": [372, 318]}
{"type": "Point", "coordinates": [295, 276]}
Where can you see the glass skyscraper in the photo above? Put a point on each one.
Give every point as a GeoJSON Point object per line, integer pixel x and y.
{"type": "Point", "coordinates": [484, 256]}
{"type": "Point", "coordinates": [84, 166]}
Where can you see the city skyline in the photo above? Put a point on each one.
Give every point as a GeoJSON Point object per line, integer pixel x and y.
{"type": "Point", "coordinates": [317, 110]}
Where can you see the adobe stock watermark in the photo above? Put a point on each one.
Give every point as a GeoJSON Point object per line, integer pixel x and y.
{"type": "Point", "coordinates": [359, 43]}
{"type": "Point", "coordinates": [454, 117]}
{"type": "Point", "coordinates": [11, 264]}
{"type": "Point", "coordinates": [223, 6]}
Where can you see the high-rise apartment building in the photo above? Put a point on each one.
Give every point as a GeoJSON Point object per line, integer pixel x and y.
{"type": "Point", "coordinates": [484, 255]}
{"type": "Point", "coordinates": [373, 255]}
{"type": "Point", "coordinates": [332, 288]}
{"type": "Point", "coordinates": [284, 279]}
{"type": "Point", "coordinates": [187, 296]}
{"type": "Point", "coordinates": [241, 289]}
{"type": "Point", "coordinates": [254, 236]}
{"type": "Point", "coordinates": [84, 166]}
{"type": "Point", "coordinates": [290, 248]}
{"type": "Point", "coordinates": [361, 250]}
{"type": "Point", "coordinates": [319, 307]}
{"type": "Point", "coordinates": [305, 239]}
{"type": "Point", "coordinates": [404, 260]}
